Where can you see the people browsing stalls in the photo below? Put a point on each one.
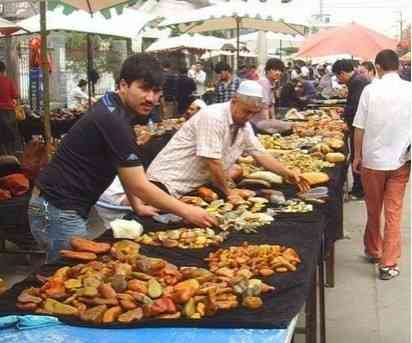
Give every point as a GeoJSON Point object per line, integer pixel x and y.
{"type": "Point", "coordinates": [382, 158]}
{"type": "Point", "coordinates": [207, 145]}
{"type": "Point", "coordinates": [265, 121]}
{"type": "Point", "coordinates": [185, 86]}
{"type": "Point", "coordinates": [199, 76]}
{"type": "Point", "coordinates": [99, 146]}
{"type": "Point", "coordinates": [227, 84]}
{"type": "Point", "coordinates": [8, 122]}
{"type": "Point", "coordinates": [344, 71]}
{"type": "Point", "coordinates": [194, 107]}
{"type": "Point", "coordinates": [79, 97]}
{"type": "Point", "coordinates": [367, 70]}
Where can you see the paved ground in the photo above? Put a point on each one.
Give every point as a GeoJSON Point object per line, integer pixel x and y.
{"type": "Point", "coordinates": [361, 308]}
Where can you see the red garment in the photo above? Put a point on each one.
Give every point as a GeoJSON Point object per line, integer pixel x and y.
{"type": "Point", "coordinates": [8, 93]}
{"type": "Point", "coordinates": [17, 184]}
{"type": "Point", "coordinates": [384, 189]}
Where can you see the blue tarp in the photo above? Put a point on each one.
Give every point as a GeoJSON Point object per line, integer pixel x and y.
{"type": "Point", "coordinates": [71, 334]}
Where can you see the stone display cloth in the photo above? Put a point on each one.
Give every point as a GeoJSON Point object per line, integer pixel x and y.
{"type": "Point", "coordinates": [302, 233]}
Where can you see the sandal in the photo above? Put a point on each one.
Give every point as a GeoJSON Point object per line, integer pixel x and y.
{"type": "Point", "coordinates": [388, 272]}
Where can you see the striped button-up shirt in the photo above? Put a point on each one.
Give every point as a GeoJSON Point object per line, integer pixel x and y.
{"type": "Point", "coordinates": [181, 167]}
{"type": "Point", "coordinates": [226, 91]}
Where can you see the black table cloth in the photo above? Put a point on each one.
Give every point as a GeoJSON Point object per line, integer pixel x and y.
{"type": "Point", "coordinates": [303, 233]}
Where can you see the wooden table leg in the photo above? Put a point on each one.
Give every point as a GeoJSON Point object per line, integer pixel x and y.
{"type": "Point", "coordinates": [311, 312]}
{"type": "Point", "coordinates": [330, 267]}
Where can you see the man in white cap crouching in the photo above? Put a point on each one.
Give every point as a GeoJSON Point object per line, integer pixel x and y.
{"type": "Point", "coordinates": [208, 144]}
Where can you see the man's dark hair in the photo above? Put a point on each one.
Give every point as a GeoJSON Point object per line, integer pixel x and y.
{"type": "Point", "coordinates": [183, 70]}
{"type": "Point", "coordinates": [167, 65]}
{"type": "Point", "coordinates": [275, 64]}
{"type": "Point", "coordinates": [222, 66]}
{"type": "Point", "coordinates": [342, 66]}
{"type": "Point", "coordinates": [253, 66]}
{"type": "Point", "coordinates": [82, 82]}
{"type": "Point", "coordinates": [2, 67]}
{"type": "Point", "coordinates": [369, 66]}
{"type": "Point", "coordinates": [388, 60]}
{"type": "Point", "coordinates": [142, 67]}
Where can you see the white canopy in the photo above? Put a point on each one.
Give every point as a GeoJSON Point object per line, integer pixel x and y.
{"type": "Point", "coordinates": [216, 53]}
{"type": "Point", "coordinates": [127, 25]}
{"type": "Point", "coordinates": [251, 14]}
{"type": "Point", "coordinates": [187, 41]}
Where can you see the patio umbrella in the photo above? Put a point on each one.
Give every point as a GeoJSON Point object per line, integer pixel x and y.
{"type": "Point", "coordinates": [187, 41]}
{"type": "Point", "coordinates": [352, 39]}
{"type": "Point", "coordinates": [90, 6]}
{"type": "Point", "coordinates": [8, 27]}
{"type": "Point", "coordinates": [239, 14]}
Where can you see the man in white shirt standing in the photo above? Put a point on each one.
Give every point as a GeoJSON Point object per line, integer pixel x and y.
{"type": "Point", "coordinates": [382, 157]}
{"type": "Point", "coordinates": [78, 96]}
{"type": "Point", "coordinates": [199, 76]}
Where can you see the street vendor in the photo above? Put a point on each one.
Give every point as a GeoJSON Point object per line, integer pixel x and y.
{"type": "Point", "coordinates": [207, 145]}
{"type": "Point", "coordinates": [99, 146]}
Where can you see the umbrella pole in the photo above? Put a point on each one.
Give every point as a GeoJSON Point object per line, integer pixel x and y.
{"type": "Point", "coordinates": [237, 43]}
{"type": "Point", "coordinates": [280, 49]}
{"type": "Point", "coordinates": [89, 67]}
{"type": "Point", "coordinates": [45, 72]}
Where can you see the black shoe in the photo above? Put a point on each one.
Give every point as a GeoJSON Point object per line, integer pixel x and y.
{"type": "Point", "coordinates": [371, 259]}
{"type": "Point", "coordinates": [387, 273]}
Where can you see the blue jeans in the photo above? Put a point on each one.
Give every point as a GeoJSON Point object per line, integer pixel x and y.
{"type": "Point", "coordinates": [52, 227]}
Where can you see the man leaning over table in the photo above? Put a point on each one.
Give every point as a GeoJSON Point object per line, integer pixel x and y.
{"type": "Point", "coordinates": [382, 157]}
{"type": "Point", "coordinates": [209, 143]}
{"type": "Point", "coordinates": [99, 146]}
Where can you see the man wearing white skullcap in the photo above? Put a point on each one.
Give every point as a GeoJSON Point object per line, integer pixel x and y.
{"type": "Point", "coordinates": [194, 107]}
{"type": "Point", "coordinates": [208, 144]}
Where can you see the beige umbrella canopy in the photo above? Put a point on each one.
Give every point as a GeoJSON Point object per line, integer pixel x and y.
{"type": "Point", "coordinates": [92, 6]}
{"type": "Point", "coordinates": [8, 27]}
{"type": "Point", "coordinates": [260, 15]}
{"type": "Point", "coordinates": [69, 6]}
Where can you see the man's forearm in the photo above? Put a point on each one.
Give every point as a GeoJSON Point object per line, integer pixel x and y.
{"type": "Point", "coordinates": [218, 175]}
{"type": "Point", "coordinates": [136, 184]}
{"type": "Point", "coordinates": [271, 164]}
{"type": "Point", "coordinates": [134, 202]}
{"type": "Point", "coordinates": [358, 142]}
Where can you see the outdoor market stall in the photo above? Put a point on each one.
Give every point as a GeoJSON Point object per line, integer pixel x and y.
{"type": "Point", "coordinates": [305, 231]}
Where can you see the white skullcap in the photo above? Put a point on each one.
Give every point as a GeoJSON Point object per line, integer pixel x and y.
{"type": "Point", "coordinates": [250, 88]}
{"type": "Point", "coordinates": [200, 103]}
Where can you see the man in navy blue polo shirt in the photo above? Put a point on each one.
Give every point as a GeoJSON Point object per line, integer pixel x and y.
{"type": "Point", "coordinates": [101, 145]}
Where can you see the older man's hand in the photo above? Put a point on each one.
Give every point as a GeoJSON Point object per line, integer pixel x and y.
{"type": "Point", "coordinates": [297, 178]}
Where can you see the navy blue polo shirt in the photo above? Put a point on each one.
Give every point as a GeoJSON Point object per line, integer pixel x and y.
{"type": "Point", "coordinates": [87, 159]}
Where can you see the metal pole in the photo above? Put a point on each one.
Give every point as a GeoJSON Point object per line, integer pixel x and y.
{"type": "Point", "coordinates": [280, 49]}
{"type": "Point", "coordinates": [129, 46]}
{"type": "Point", "coordinates": [89, 67]}
{"type": "Point", "coordinates": [237, 43]}
{"type": "Point", "coordinates": [45, 72]}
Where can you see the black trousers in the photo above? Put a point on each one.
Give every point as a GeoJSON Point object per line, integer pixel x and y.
{"type": "Point", "coordinates": [357, 183]}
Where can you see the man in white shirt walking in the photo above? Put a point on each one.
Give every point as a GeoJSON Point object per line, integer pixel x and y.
{"type": "Point", "coordinates": [382, 157]}
{"type": "Point", "coordinates": [199, 76]}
